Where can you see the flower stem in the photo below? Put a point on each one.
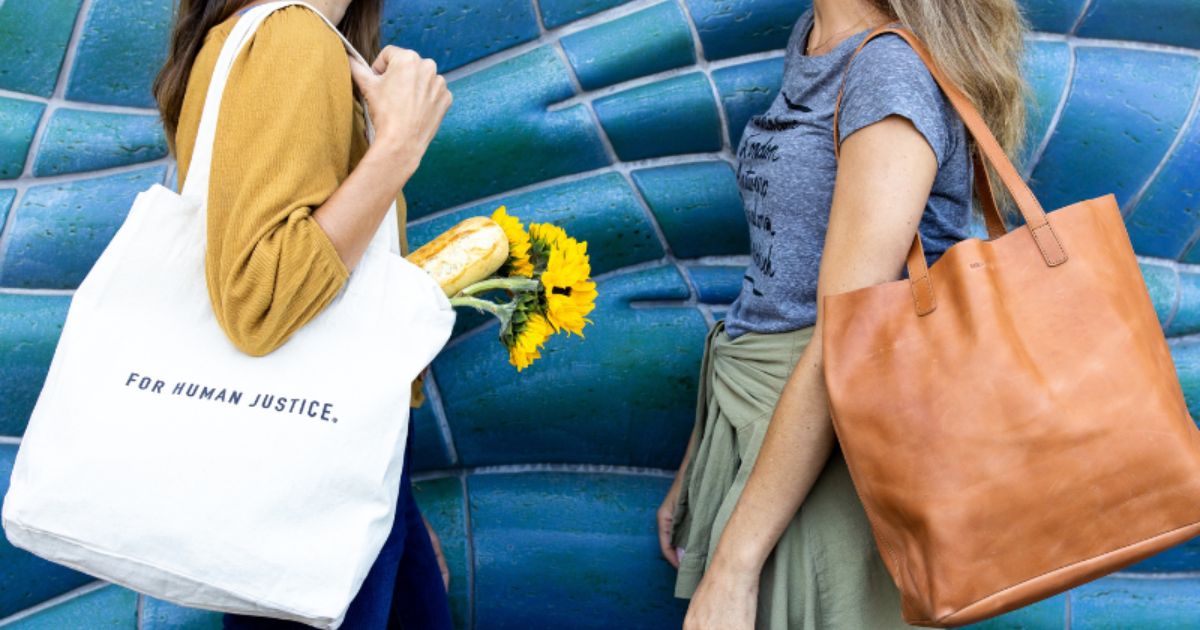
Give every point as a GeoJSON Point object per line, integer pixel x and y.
{"type": "Point", "coordinates": [502, 312]}
{"type": "Point", "coordinates": [510, 284]}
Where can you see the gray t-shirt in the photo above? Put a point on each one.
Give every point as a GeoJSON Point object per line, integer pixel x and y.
{"type": "Point", "coordinates": [786, 168]}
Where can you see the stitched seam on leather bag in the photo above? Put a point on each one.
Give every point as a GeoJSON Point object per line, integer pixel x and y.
{"type": "Point", "coordinates": [1065, 566]}
{"type": "Point", "coordinates": [1062, 252]}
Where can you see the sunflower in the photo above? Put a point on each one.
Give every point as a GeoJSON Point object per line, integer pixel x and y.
{"type": "Point", "coordinates": [527, 342]}
{"type": "Point", "coordinates": [518, 263]}
{"type": "Point", "coordinates": [570, 295]}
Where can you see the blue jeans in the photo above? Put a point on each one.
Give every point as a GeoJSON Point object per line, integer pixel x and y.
{"type": "Point", "coordinates": [404, 587]}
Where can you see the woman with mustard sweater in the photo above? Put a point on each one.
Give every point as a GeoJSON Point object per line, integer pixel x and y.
{"type": "Point", "coordinates": [295, 196]}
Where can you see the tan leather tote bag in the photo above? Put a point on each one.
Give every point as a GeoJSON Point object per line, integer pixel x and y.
{"type": "Point", "coordinates": [1011, 416]}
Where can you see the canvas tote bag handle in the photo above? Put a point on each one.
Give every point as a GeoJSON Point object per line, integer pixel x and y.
{"type": "Point", "coordinates": [195, 187]}
{"type": "Point", "coordinates": [1039, 226]}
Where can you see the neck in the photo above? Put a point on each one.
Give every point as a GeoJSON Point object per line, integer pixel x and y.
{"type": "Point", "coordinates": [832, 17]}
{"type": "Point", "coordinates": [333, 10]}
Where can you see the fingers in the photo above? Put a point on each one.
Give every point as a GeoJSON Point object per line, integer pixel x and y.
{"type": "Point", "coordinates": [363, 76]}
{"type": "Point", "coordinates": [664, 542]}
{"type": "Point", "coordinates": [394, 55]}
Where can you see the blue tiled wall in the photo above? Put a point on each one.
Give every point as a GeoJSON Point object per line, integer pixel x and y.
{"type": "Point", "coordinates": [615, 120]}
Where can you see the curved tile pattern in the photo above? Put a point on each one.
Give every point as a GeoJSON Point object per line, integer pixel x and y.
{"type": "Point", "coordinates": [614, 119]}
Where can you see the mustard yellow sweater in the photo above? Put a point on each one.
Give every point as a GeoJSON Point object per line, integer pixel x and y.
{"type": "Point", "coordinates": [288, 134]}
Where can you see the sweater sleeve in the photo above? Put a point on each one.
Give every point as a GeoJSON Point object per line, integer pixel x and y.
{"type": "Point", "coordinates": [282, 147]}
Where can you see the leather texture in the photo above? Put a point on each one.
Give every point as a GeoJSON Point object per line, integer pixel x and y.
{"type": "Point", "coordinates": [1011, 415]}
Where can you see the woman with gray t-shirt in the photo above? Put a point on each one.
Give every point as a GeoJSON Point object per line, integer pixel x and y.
{"type": "Point", "coordinates": [762, 521]}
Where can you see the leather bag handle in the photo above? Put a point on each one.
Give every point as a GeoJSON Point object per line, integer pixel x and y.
{"type": "Point", "coordinates": [987, 148]}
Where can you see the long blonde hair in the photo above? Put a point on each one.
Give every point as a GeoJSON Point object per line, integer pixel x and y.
{"type": "Point", "coordinates": [979, 44]}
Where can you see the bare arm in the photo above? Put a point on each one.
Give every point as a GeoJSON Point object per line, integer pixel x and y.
{"type": "Point", "coordinates": [884, 178]}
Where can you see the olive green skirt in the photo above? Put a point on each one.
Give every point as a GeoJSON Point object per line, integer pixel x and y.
{"type": "Point", "coordinates": [825, 572]}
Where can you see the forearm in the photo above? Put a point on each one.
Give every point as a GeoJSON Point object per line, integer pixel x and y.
{"type": "Point", "coordinates": [794, 451]}
{"type": "Point", "coordinates": [352, 214]}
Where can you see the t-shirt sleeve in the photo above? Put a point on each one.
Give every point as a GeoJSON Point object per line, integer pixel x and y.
{"type": "Point", "coordinates": [282, 148]}
{"type": "Point", "coordinates": [887, 78]}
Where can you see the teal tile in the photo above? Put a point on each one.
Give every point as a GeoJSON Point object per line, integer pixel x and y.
{"type": "Point", "coordinates": [729, 28]}
{"type": "Point", "coordinates": [1046, 68]}
{"type": "Point", "coordinates": [457, 33]}
{"type": "Point", "coordinates": [1163, 284]}
{"type": "Point", "coordinates": [1122, 603]}
{"type": "Point", "coordinates": [60, 229]}
{"type": "Point", "coordinates": [1053, 16]}
{"type": "Point", "coordinates": [33, 40]}
{"type": "Point", "coordinates": [652, 40]}
{"type": "Point", "coordinates": [1187, 314]}
{"type": "Point", "coordinates": [29, 329]}
{"type": "Point", "coordinates": [498, 135]}
{"type": "Point", "coordinates": [429, 449]}
{"type": "Point", "coordinates": [160, 615]}
{"type": "Point", "coordinates": [77, 141]}
{"type": "Point", "coordinates": [108, 607]}
{"type": "Point", "coordinates": [746, 91]}
{"type": "Point", "coordinates": [1185, 352]}
{"type": "Point", "coordinates": [717, 284]}
{"type": "Point", "coordinates": [6, 200]}
{"type": "Point", "coordinates": [123, 46]}
{"type": "Point", "coordinates": [442, 503]}
{"type": "Point", "coordinates": [18, 123]}
{"type": "Point", "coordinates": [670, 117]}
{"type": "Point", "coordinates": [698, 207]}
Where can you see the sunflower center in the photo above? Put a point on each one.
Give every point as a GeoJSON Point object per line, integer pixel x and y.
{"type": "Point", "coordinates": [561, 291]}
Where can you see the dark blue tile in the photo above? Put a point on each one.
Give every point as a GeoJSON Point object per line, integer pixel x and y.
{"type": "Point", "coordinates": [729, 28]}
{"type": "Point", "coordinates": [1171, 22]}
{"type": "Point", "coordinates": [622, 395]}
{"type": "Point", "coordinates": [498, 135]}
{"type": "Point", "coordinates": [747, 90]}
{"type": "Point", "coordinates": [60, 229]}
{"type": "Point", "coordinates": [429, 449]}
{"type": "Point", "coordinates": [555, 13]}
{"type": "Point", "coordinates": [1044, 615]}
{"type": "Point", "coordinates": [25, 579]}
{"type": "Point", "coordinates": [109, 607]}
{"type": "Point", "coordinates": [18, 122]}
{"type": "Point", "coordinates": [1184, 558]}
{"type": "Point", "coordinates": [1185, 352]}
{"type": "Point", "coordinates": [1116, 125]}
{"type": "Point", "coordinates": [717, 284]}
{"type": "Point", "coordinates": [1052, 16]}
{"type": "Point", "coordinates": [670, 117]}
{"type": "Point", "coordinates": [34, 35]}
{"type": "Point", "coordinates": [442, 503]}
{"type": "Point", "coordinates": [76, 141]}
{"type": "Point", "coordinates": [541, 561]}
{"type": "Point", "coordinates": [123, 46]}
{"type": "Point", "coordinates": [698, 207]}
{"type": "Point", "coordinates": [29, 329]}
{"type": "Point", "coordinates": [601, 211]}
{"type": "Point", "coordinates": [457, 33]}
{"type": "Point", "coordinates": [638, 44]}
{"type": "Point", "coordinates": [1165, 221]}
{"type": "Point", "coordinates": [1120, 603]}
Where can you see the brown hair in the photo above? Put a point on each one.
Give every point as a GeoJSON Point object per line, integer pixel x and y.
{"type": "Point", "coordinates": [979, 44]}
{"type": "Point", "coordinates": [194, 18]}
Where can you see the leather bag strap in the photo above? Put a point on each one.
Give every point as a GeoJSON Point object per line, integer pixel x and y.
{"type": "Point", "coordinates": [987, 149]}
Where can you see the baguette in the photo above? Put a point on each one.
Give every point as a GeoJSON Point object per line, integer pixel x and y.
{"type": "Point", "coordinates": [469, 252]}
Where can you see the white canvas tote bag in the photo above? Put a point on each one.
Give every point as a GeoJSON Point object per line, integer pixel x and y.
{"type": "Point", "coordinates": [162, 458]}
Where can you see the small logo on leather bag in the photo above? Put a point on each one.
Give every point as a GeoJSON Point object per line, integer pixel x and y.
{"type": "Point", "coordinates": [978, 265]}
{"type": "Point", "coordinates": [298, 406]}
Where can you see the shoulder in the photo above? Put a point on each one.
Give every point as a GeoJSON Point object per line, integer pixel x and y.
{"type": "Point", "coordinates": [799, 31]}
{"type": "Point", "coordinates": [887, 77]}
{"type": "Point", "coordinates": [294, 35]}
